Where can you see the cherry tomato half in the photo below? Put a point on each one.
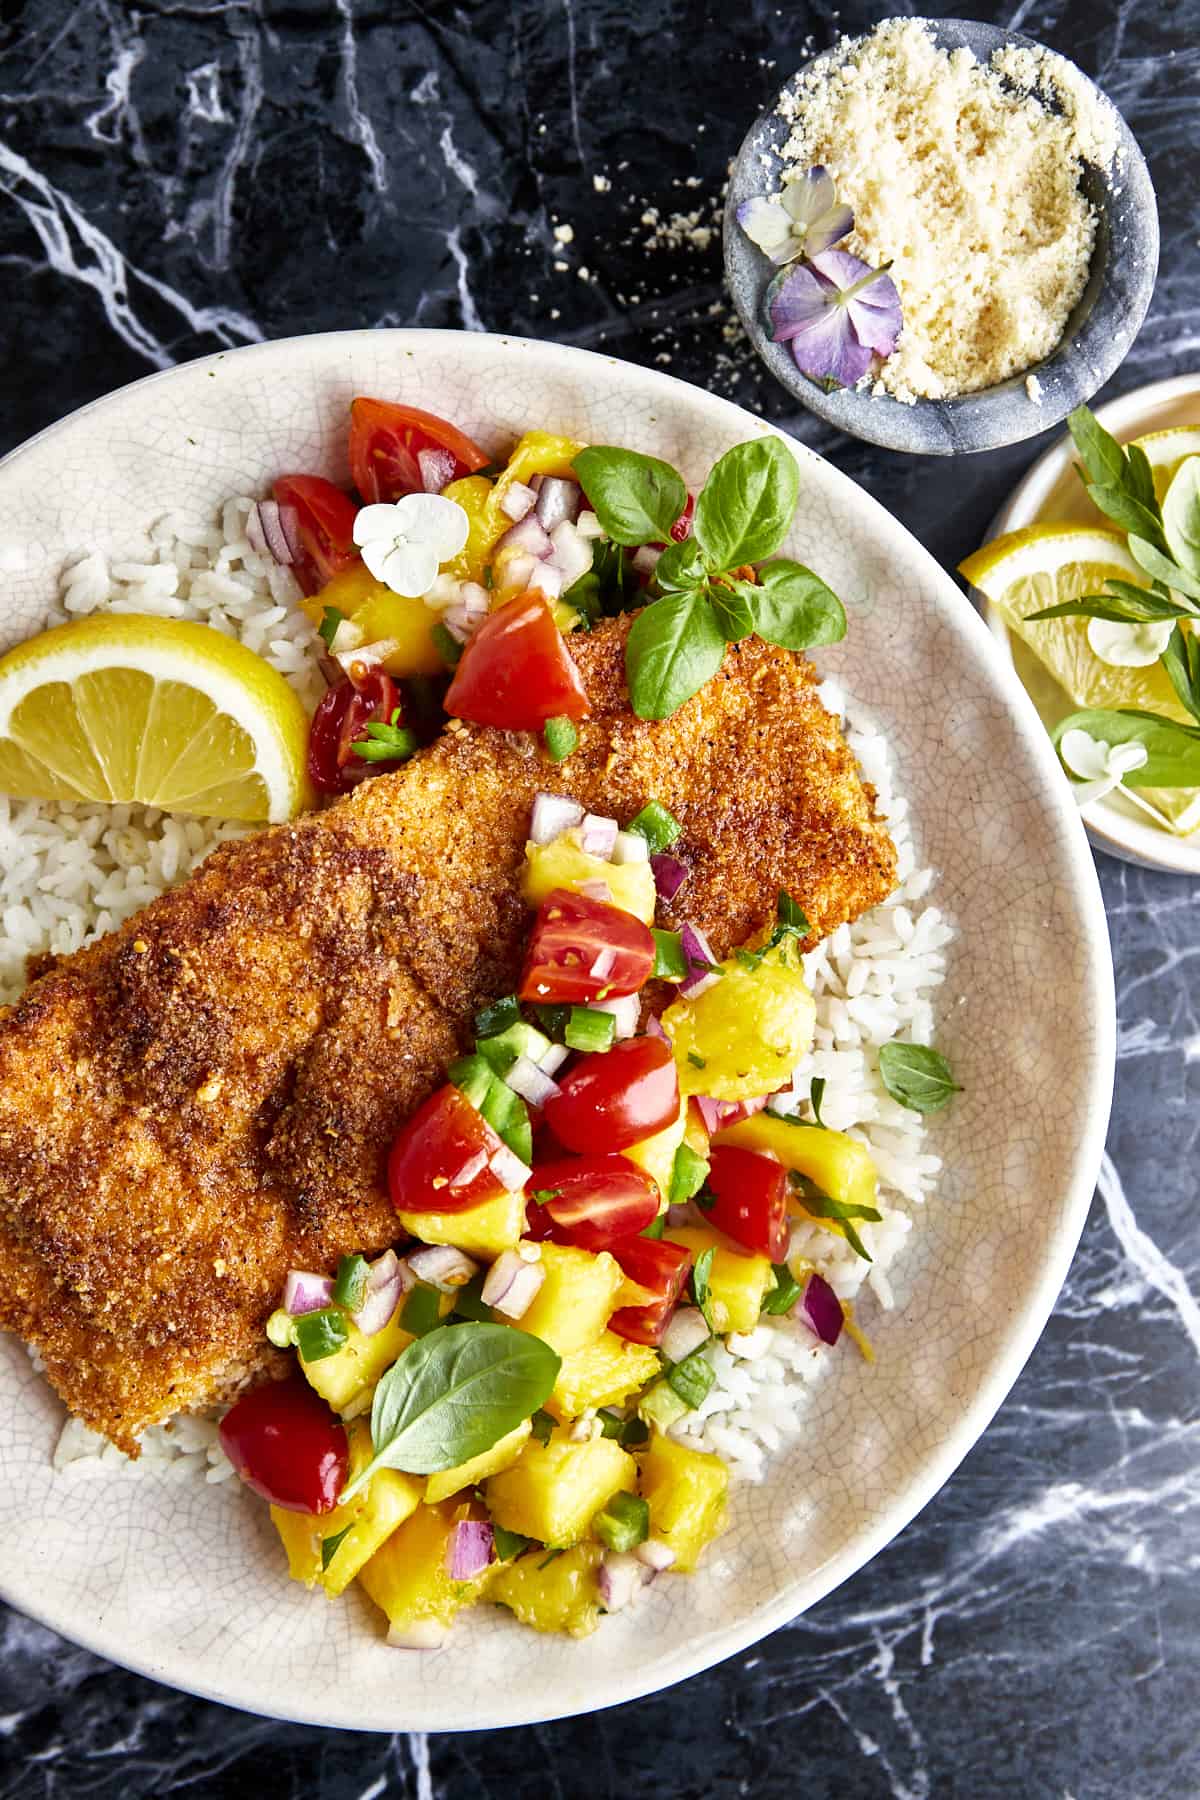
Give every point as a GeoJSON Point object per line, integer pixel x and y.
{"type": "Point", "coordinates": [661, 1268]}
{"type": "Point", "coordinates": [325, 522]}
{"type": "Point", "coordinates": [386, 440]}
{"type": "Point", "coordinates": [341, 721]}
{"type": "Point", "coordinates": [751, 1200]}
{"type": "Point", "coordinates": [583, 949]}
{"type": "Point", "coordinates": [516, 671]}
{"type": "Point", "coordinates": [598, 1201]}
{"type": "Point", "coordinates": [440, 1159]}
{"type": "Point", "coordinates": [614, 1098]}
{"type": "Point", "coordinates": [286, 1444]}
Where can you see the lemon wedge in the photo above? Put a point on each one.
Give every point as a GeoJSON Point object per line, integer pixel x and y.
{"type": "Point", "coordinates": [168, 713]}
{"type": "Point", "coordinates": [1166, 450]}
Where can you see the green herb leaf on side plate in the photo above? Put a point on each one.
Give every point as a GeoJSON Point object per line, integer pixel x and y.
{"type": "Point", "coordinates": [1130, 514]}
{"type": "Point", "coordinates": [1126, 604]}
{"type": "Point", "coordinates": [1172, 750]}
{"type": "Point", "coordinates": [674, 646]}
{"type": "Point", "coordinates": [917, 1076]}
{"type": "Point", "coordinates": [1099, 451]}
{"type": "Point", "coordinates": [795, 608]}
{"type": "Point", "coordinates": [636, 498]}
{"type": "Point", "coordinates": [452, 1395]}
{"type": "Point", "coordinates": [1181, 660]}
{"type": "Point", "coordinates": [1163, 570]}
{"type": "Point", "coordinates": [746, 505]}
{"type": "Point", "coordinates": [1181, 515]}
{"type": "Point", "coordinates": [1139, 476]}
{"type": "Point", "coordinates": [331, 1545]}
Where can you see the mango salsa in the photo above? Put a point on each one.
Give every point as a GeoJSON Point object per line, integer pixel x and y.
{"type": "Point", "coordinates": [408, 1576]}
{"type": "Point", "coordinates": [686, 1490]}
{"type": "Point", "coordinates": [574, 1302]}
{"type": "Point", "coordinates": [379, 613]}
{"type": "Point", "coordinates": [473, 493]}
{"type": "Point", "coordinates": [561, 1595]}
{"type": "Point", "coordinates": [346, 1378]}
{"type": "Point", "coordinates": [366, 1521]}
{"type": "Point", "coordinates": [840, 1166]}
{"type": "Point", "coordinates": [744, 1035]}
{"type": "Point", "coordinates": [502, 1455]}
{"type": "Point", "coordinates": [738, 1281]}
{"type": "Point", "coordinates": [603, 1374]}
{"type": "Point", "coordinates": [554, 1490]}
{"type": "Point", "coordinates": [656, 1155]}
{"type": "Point", "coordinates": [563, 864]}
{"type": "Point", "coordinates": [485, 1230]}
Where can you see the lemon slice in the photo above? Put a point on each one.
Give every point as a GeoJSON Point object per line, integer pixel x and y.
{"type": "Point", "coordinates": [120, 707]}
{"type": "Point", "coordinates": [1043, 565]}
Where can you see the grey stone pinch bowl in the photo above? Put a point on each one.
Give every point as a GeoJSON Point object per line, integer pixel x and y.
{"type": "Point", "coordinates": [1099, 331]}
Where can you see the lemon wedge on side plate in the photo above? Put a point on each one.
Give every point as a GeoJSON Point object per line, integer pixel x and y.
{"type": "Point", "coordinates": [165, 712]}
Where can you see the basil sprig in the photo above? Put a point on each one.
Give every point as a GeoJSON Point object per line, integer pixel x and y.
{"type": "Point", "coordinates": [704, 596]}
{"type": "Point", "coordinates": [452, 1395]}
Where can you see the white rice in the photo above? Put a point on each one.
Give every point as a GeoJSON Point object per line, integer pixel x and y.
{"type": "Point", "coordinates": [68, 874]}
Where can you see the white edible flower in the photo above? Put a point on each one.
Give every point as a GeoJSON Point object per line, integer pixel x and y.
{"type": "Point", "coordinates": [803, 218]}
{"type": "Point", "coordinates": [1129, 646]}
{"type": "Point", "coordinates": [405, 545]}
{"type": "Point", "coordinates": [1100, 767]}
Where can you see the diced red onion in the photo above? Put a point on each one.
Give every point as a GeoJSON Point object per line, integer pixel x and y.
{"type": "Point", "coordinates": [369, 655]}
{"type": "Point", "coordinates": [654, 1028]}
{"type": "Point", "coordinates": [572, 551]}
{"type": "Point", "coordinates": [552, 815]}
{"type": "Point", "coordinates": [553, 1058]}
{"type": "Point", "coordinates": [597, 890]}
{"type": "Point", "coordinates": [597, 834]}
{"type": "Point", "coordinates": [558, 500]}
{"type": "Point", "coordinates": [526, 536]}
{"type": "Point", "coordinates": [821, 1308]}
{"type": "Point", "coordinates": [474, 1165]}
{"type": "Point", "coordinates": [626, 1010]}
{"type": "Point", "coordinates": [588, 525]}
{"type": "Point", "coordinates": [518, 571]}
{"type": "Point", "coordinates": [388, 1279]}
{"type": "Point", "coordinates": [547, 577]}
{"type": "Point", "coordinates": [719, 1115]}
{"type": "Point", "coordinates": [268, 531]}
{"type": "Point", "coordinates": [655, 1554]}
{"type": "Point", "coordinates": [629, 847]}
{"type": "Point", "coordinates": [645, 560]}
{"type": "Point", "coordinates": [669, 875]}
{"type": "Point", "coordinates": [511, 1284]}
{"type": "Point", "coordinates": [442, 1266]}
{"type": "Point", "coordinates": [686, 1332]}
{"type": "Point", "coordinates": [517, 500]}
{"type": "Point", "coordinates": [533, 1084]}
{"type": "Point", "coordinates": [437, 469]}
{"type": "Point", "coordinates": [467, 612]}
{"type": "Point", "coordinates": [304, 1292]}
{"type": "Point", "coordinates": [422, 1634]}
{"type": "Point", "coordinates": [507, 1167]}
{"type": "Point", "coordinates": [697, 951]}
{"type": "Point", "coordinates": [604, 964]}
{"type": "Point", "coordinates": [470, 1549]}
{"type": "Point", "coordinates": [620, 1578]}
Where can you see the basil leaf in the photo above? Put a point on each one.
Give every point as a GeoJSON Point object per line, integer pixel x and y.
{"type": "Point", "coordinates": [452, 1395]}
{"type": "Point", "coordinates": [701, 1274]}
{"type": "Point", "coordinates": [1172, 750]}
{"type": "Point", "coordinates": [917, 1076]}
{"type": "Point", "coordinates": [1101, 454]}
{"type": "Point", "coordinates": [636, 498]}
{"type": "Point", "coordinates": [1139, 476]}
{"type": "Point", "coordinates": [732, 609]}
{"type": "Point", "coordinates": [816, 1095]}
{"type": "Point", "coordinates": [1181, 660]}
{"type": "Point", "coordinates": [1130, 606]}
{"type": "Point", "coordinates": [1162, 568]}
{"type": "Point", "coordinates": [673, 648]}
{"type": "Point", "coordinates": [793, 607]}
{"type": "Point", "coordinates": [1181, 515]}
{"type": "Point", "coordinates": [680, 568]}
{"type": "Point", "coordinates": [331, 1545]}
{"type": "Point", "coordinates": [820, 1205]}
{"type": "Point", "coordinates": [747, 503]}
{"type": "Point", "coordinates": [1128, 513]}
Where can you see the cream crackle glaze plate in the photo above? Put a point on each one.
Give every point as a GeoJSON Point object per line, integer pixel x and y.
{"type": "Point", "coordinates": [184, 1581]}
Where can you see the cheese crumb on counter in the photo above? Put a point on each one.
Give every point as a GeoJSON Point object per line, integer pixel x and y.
{"type": "Point", "coordinates": [961, 178]}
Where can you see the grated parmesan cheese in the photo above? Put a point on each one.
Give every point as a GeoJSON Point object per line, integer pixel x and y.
{"type": "Point", "coordinates": [960, 176]}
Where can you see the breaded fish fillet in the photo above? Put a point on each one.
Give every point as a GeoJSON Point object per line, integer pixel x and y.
{"type": "Point", "coordinates": [205, 1098]}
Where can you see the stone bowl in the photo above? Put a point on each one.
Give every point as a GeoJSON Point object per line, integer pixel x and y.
{"type": "Point", "coordinates": [1099, 331]}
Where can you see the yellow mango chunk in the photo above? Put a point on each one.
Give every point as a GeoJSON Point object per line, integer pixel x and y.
{"type": "Point", "coordinates": [367, 1520]}
{"type": "Point", "coordinates": [558, 1596]}
{"type": "Point", "coordinates": [840, 1166]}
{"type": "Point", "coordinates": [347, 1377]}
{"type": "Point", "coordinates": [554, 1490]}
{"type": "Point", "coordinates": [485, 1230]}
{"type": "Point", "coordinates": [472, 493]}
{"type": "Point", "coordinates": [408, 1578]}
{"type": "Point", "coordinates": [747, 1032]}
{"type": "Point", "coordinates": [574, 1302]}
{"type": "Point", "coordinates": [738, 1281]}
{"type": "Point", "coordinates": [563, 864]}
{"type": "Point", "coordinates": [603, 1374]}
{"type": "Point", "coordinates": [502, 1455]}
{"type": "Point", "coordinates": [379, 613]}
{"type": "Point", "coordinates": [656, 1155]}
{"type": "Point", "coordinates": [686, 1491]}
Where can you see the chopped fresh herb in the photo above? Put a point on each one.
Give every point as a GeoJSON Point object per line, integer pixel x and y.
{"type": "Point", "coordinates": [687, 1175]}
{"type": "Point", "coordinates": [784, 1294]}
{"type": "Point", "coordinates": [560, 737]}
{"type": "Point", "coordinates": [446, 644]}
{"type": "Point", "coordinates": [587, 1029]}
{"type": "Point", "coordinates": [468, 1301]}
{"type": "Point", "coordinates": [539, 1196]}
{"type": "Point", "coordinates": [701, 1275]}
{"type": "Point", "coordinates": [697, 1062]}
{"type": "Point", "coordinates": [659, 827]}
{"type": "Point", "coordinates": [552, 1556]}
{"type": "Point", "coordinates": [331, 1545]}
{"type": "Point", "coordinates": [655, 1228]}
{"type": "Point", "coordinates": [350, 1287]}
{"type": "Point", "coordinates": [816, 1095]}
{"type": "Point", "coordinates": [916, 1076]}
{"type": "Point", "coordinates": [331, 618]}
{"type": "Point", "coordinates": [669, 961]}
{"type": "Point", "coordinates": [494, 1019]}
{"type": "Point", "coordinates": [385, 742]}
{"type": "Point", "coordinates": [629, 1433]}
{"type": "Point", "coordinates": [543, 1425]}
{"type": "Point", "coordinates": [789, 922]}
{"type": "Point", "coordinates": [321, 1334]}
{"type": "Point", "coordinates": [624, 1523]}
{"type": "Point", "coordinates": [692, 1378]}
{"type": "Point", "coordinates": [820, 1205]}
{"type": "Point", "coordinates": [509, 1543]}
{"type": "Point", "coordinates": [422, 1310]}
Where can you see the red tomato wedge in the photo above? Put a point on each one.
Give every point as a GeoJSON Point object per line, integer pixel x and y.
{"type": "Point", "coordinates": [751, 1200]}
{"type": "Point", "coordinates": [583, 949]}
{"type": "Point", "coordinates": [598, 1200]}
{"type": "Point", "coordinates": [440, 1159]}
{"type": "Point", "coordinates": [286, 1444]}
{"type": "Point", "coordinates": [659, 1267]}
{"type": "Point", "coordinates": [325, 522]}
{"type": "Point", "coordinates": [516, 671]}
{"type": "Point", "coordinates": [614, 1098]}
{"type": "Point", "coordinates": [386, 441]}
{"type": "Point", "coordinates": [341, 721]}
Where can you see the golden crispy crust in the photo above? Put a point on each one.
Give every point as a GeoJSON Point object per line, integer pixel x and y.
{"type": "Point", "coordinates": [205, 1098]}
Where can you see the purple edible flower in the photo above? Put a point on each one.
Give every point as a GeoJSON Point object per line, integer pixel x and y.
{"type": "Point", "coordinates": [804, 217]}
{"type": "Point", "coordinates": [838, 314]}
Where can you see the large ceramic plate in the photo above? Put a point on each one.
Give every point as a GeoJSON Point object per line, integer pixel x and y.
{"type": "Point", "coordinates": [185, 1584]}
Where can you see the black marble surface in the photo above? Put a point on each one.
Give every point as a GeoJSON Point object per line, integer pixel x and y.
{"type": "Point", "coordinates": [179, 174]}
